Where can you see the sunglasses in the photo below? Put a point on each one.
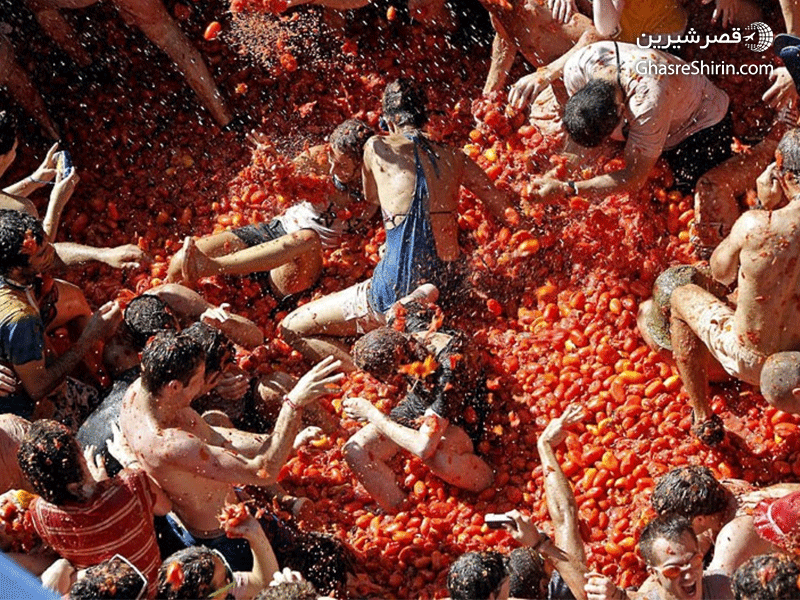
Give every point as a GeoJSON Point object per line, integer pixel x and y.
{"type": "Point", "coordinates": [675, 571]}
{"type": "Point", "coordinates": [220, 593]}
{"type": "Point", "coordinates": [142, 592]}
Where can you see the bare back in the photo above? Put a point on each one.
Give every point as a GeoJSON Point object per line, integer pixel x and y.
{"type": "Point", "coordinates": [768, 311]}
{"type": "Point", "coordinates": [390, 178]}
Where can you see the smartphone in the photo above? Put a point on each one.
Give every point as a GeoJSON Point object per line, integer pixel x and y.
{"type": "Point", "coordinates": [497, 520]}
{"type": "Point", "coordinates": [63, 163]}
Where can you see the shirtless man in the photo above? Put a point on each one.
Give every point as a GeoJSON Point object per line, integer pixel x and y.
{"type": "Point", "coordinates": [417, 183]}
{"type": "Point", "coordinates": [152, 18]}
{"type": "Point", "coordinates": [760, 253]}
{"type": "Point", "coordinates": [198, 465]}
{"type": "Point", "coordinates": [286, 253]}
{"type": "Point", "coordinates": [728, 516]}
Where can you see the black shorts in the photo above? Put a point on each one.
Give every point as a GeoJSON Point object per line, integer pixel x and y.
{"type": "Point", "coordinates": [699, 153]}
{"type": "Point", "coordinates": [253, 235]}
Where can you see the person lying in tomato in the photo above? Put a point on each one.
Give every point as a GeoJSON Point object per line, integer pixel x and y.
{"type": "Point", "coordinates": [285, 254]}
{"type": "Point", "coordinates": [445, 386]}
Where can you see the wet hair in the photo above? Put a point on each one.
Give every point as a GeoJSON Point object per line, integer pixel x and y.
{"type": "Point", "coordinates": [476, 575]}
{"type": "Point", "coordinates": [591, 114]}
{"type": "Point", "coordinates": [404, 103]}
{"type": "Point", "coordinates": [215, 344]}
{"type": "Point", "coordinates": [670, 527]}
{"type": "Point", "coordinates": [767, 577]}
{"type": "Point", "coordinates": [780, 375]}
{"type": "Point", "coordinates": [289, 590]}
{"type": "Point", "coordinates": [789, 149]}
{"type": "Point", "coordinates": [8, 131]}
{"type": "Point", "coordinates": [418, 317]}
{"type": "Point", "coordinates": [690, 491]}
{"type": "Point", "coordinates": [170, 356]}
{"type": "Point", "coordinates": [14, 225]}
{"type": "Point", "coordinates": [526, 573]}
{"type": "Point", "coordinates": [379, 352]}
{"type": "Point", "coordinates": [145, 316]}
{"type": "Point", "coordinates": [349, 138]}
{"type": "Point", "coordinates": [197, 564]}
{"type": "Point", "coordinates": [50, 458]}
{"type": "Point", "coordinates": [109, 580]}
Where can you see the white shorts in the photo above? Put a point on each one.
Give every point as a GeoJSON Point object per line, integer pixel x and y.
{"type": "Point", "coordinates": [717, 333]}
{"type": "Point", "coordinates": [356, 307]}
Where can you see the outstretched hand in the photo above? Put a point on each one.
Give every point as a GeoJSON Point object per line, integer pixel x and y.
{"type": "Point", "coordinates": [319, 381]}
{"type": "Point", "coordinates": [47, 170]}
{"type": "Point", "coordinates": [95, 462]}
{"type": "Point", "coordinates": [555, 432]}
{"type": "Point", "coordinates": [528, 88]}
{"type": "Point", "coordinates": [358, 408]}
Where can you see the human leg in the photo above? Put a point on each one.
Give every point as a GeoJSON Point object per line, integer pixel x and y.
{"type": "Point", "coordinates": [193, 260]}
{"type": "Point", "coordinates": [157, 24]}
{"type": "Point", "coordinates": [456, 462]}
{"type": "Point", "coordinates": [367, 453]}
{"type": "Point", "coordinates": [58, 29]}
{"type": "Point", "coordinates": [312, 329]}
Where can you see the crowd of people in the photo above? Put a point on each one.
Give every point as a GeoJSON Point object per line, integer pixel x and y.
{"type": "Point", "coordinates": [135, 488]}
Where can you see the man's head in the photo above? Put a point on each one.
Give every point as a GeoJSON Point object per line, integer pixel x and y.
{"type": "Point", "coordinates": [347, 149]}
{"type": "Point", "coordinates": [592, 113]}
{"type": "Point", "coordinates": [51, 459]}
{"type": "Point", "coordinates": [175, 361]}
{"type": "Point", "coordinates": [24, 249]}
{"type": "Point", "coordinates": [404, 103]}
{"type": "Point", "coordinates": [217, 347]}
{"type": "Point", "coordinates": [669, 547]}
{"type": "Point", "coordinates": [478, 575]}
{"type": "Point", "coordinates": [145, 316]}
{"type": "Point", "coordinates": [8, 139]}
{"type": "Point", "coordinates": [528, 577]}
{"type": "Point", "coordinates": [195, 572]}
{"type": "Point", "coordinates": [380, 352]}
{"type": "Point", "coordinates": [787, 161]}
{"type": "Point", "coordinates": [111, 579]}
{"type": "Point", "coordinates": [289, 590]}
{"type": "Point", "coordinates": [780, 381]}
{"type": "Point", "coordinates": [767, 577]}
{"type": "Point", "coordinates": [692, 492]}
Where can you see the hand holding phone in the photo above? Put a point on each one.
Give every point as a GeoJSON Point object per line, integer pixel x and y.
{"type": "Point", "coordinates": [498, 520]}
{"type": "Point", "coordinates": [63, 163]}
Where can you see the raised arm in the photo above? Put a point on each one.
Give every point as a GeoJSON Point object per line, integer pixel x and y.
{"type": "Point", "coordinates": [265, 565]}
{"type": "Point", "coordinates": [422, 442]}
{"type": "Point", "coordinates": [561, 503]}
{"type": "Point", "coordinates": [62, 191]}
{"type": "Point", "coordinates": [503, 53]}
{"type": "Point", "coordinates": [43, 175]}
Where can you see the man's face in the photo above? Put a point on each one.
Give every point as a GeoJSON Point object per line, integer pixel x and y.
{"type": "Point", "coordinates": [197, 383]}
{"type": "Point", "coordinates": [343, 167]}
{"type": "Point", "coordinates": [679, 568]}
{"type": "Point", "coordinates": [42, 257]}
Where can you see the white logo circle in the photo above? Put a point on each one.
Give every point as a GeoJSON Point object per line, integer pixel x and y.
{"type": "Point", "coordinates": [763, 39]}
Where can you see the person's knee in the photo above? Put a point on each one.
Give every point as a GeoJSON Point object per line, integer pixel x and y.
{"type": "Point", "coordinates": [354, 453]}
{"type": "Point", "coordinates": [292, 327]}
{"type": "Point", "coordinates": [780, 381]}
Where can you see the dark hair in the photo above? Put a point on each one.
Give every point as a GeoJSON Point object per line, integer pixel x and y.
{"type": "Point", "coordinates": [780, 375]}
{"type": "Point", "coordinates": [215, 344]}
{"type": "Point", "coordinates": [591, 114]}
{"type": "Point", "coordinates": [417, 317]}
{"type": "Point", "coordinates": [8, 131]}
{"type": "Point", "coordinates": [379, 351]}
{"type": "Point", "coordinates": [349, 138]}
{"type": "Point", "coordinates": [109, 580]}
{"type": "Point", "coordinates": [170, 356]}
{"type": "Point", "coordinates": [197, 566]}
{"type": "Point", "coordinates": [526, 573]}
{"type": "Point", "coordinates": [289, 590]}
{"type": "Point", "coordinates": [767, 577]}
{"type": "Point", "coordinates": [145, 316]}
{"type": "Point", "coordinates": [690, 491]}
{"type": "Point", "coordinates": [670, 527]}
{"type": "Point", "coordinates": [50, 458]}
{"type": "Point", "coordinates": [476, 575]}
{"type": "Point", "coordinates": [14, 227]}
{"type": "Point", "coordinates": [789, 149]}
{"type": "Point", "coordinates": [404, 103]}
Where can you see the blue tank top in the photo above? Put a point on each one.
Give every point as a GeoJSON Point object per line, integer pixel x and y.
{"type": "Point", "coordinates": [411, 258]}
